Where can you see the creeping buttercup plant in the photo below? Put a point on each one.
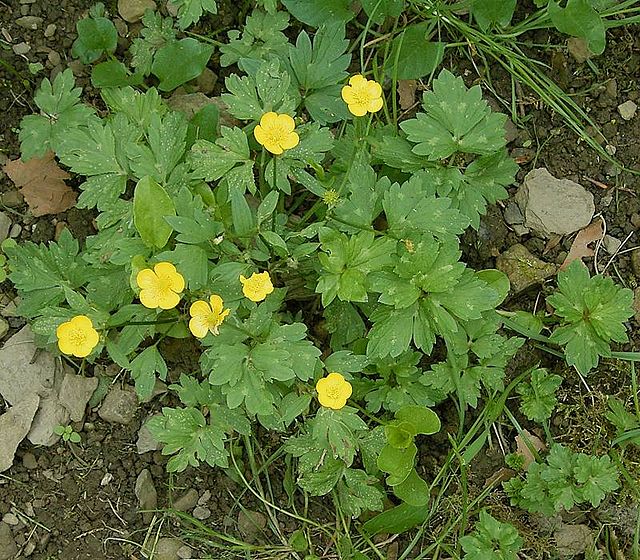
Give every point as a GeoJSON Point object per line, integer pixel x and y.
{"type": "Point", "coordinates": [310, 250]}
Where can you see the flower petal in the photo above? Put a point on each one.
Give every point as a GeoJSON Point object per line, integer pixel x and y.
{"type": "Point", "coordinates": [216, 304]}
{"type": "Point", "coordinates": [357, 80]}
{"type": "Point", "coordinates": [64, 329]}
{"type": "Point", "coordinates": [82, 322]}
{"type": "Point", "coordinates": [273, 148]}
{"type": "Point", "coordinates": [358, 109]}
{"type": "Point", "coordinates": [66, 346]}
{"type": "Point", "coordinates": [348, 95]}
{"type": "Point", "coordinates": [199, 308]}
{"type": "Point", "coordinates": [375, 105]}
{"type": "Point", "coordinates": [146, 279]}
{"type": "Point", "coordinates": [149, 298]}
{"type": "Point", "coordinates": [374, 89]}
{"type": "Point", "coordinates": [291, 140]}
{"type": "Point", "coordinates": [260, 135]}
{"type": "Point", "coordinates": [199, 326]}
{"type": "Point", "coordinates": [286, 122]}
{"type": "Point", "coordinates": [168, 299]}
{"type": "Point", "coordinates": [269, 120]}
{"type": "Point", "coordinates": [168, 273]}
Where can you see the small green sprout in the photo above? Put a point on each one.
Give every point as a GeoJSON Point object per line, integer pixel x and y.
{"type": "Point", "coordinates": [67, 433]}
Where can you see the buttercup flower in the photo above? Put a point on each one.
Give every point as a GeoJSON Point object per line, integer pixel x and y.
{"type": "Point", "coordinates": [257, 287]}
{"type": "Point", "coordinates": [206, 317]}
{"type": "Point", "coordinates": [362, 96]}
{"type": "Point", "coordinates": [275, 132]}
{"type": "Point", "coordinates": [160, 287]}
{"type": "Point", "coordinates": [77, 337]}
{"type": "Point", "coordinates": [333, 391]}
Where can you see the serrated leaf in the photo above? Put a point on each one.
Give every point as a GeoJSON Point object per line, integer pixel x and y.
{"type": "Point", "coordinates": [357, 493]}
{"type": "Point", "coordinates": [144, 368]}
{"type": "Point", "coordinates": [190, 11]}
{"type": "Point", "coordinates": [539, 395]}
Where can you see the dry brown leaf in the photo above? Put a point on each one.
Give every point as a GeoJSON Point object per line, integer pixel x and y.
{"type": "Point", "coordinates": [579, 248]}
{"type": "Point", "coordinates": [407, 93]}
{"type": "Point", "coordinates": [41, 182]}
{"type": "Point", "coordinates": [523, 447]}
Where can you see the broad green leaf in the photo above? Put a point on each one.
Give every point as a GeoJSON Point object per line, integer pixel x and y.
{"type": "Point", "coordinates": [180, 61]}
{"type": "Point", "coordinates": [423, 420]}
{"type": "Point", "coordinates": [496, 280]}
{"type": "Point", "coordinates": [397, 520]}
{"type": "Point", "coordinates": [151, 204]}
{"type": "Point", "coordinates": [579, 19]}
{"type": "Point", "coordinates": [413, 490]}
{"type": "Point", "coordinates": [493, 12]}
{"type": "Point", "coordinates": [403, 62]}
{"type": "Point", "coordinates": [96, 35]}
{"type": "Point", "coordinates": [113, 73]}
{"type": "Point", "coordinates": [377, 10]}
{"type": "Point", "coordinates": [398, 462]}
{"type": "Point", "coordinates": [314, 14]}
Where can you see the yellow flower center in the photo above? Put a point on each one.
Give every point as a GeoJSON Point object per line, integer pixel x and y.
{"type": "Point", "coordinates": [331, 197]}
{"type": "Point", "coordinates": [276, 134]}
{"type": "Point", "coordinates": [78, 337]}
{"type": "Point", "coordinates": [361, 95]}
{"type": "Point", "coordinates": [333, 392]}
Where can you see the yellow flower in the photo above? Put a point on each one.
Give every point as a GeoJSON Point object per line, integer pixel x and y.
{"type": "Point", "coordinates": [77, 337]}
{"type": "Point", "coordinates": [275, 132]}
{"type": "Point", "coordinates": [362, 95]}
{"type": "Point", "coordinates": [206, 317]}
{"type": "Point", "coordinates": [257, 286]}
{"type": "Point", "coordinates": [160, 287]}
{"type": "Point", "coordinates": [333, 391]}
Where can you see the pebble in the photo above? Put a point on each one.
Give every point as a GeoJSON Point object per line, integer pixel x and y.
{"type": "Point", "coordinates": [27, 1]}
{"type": "Point", "coordinates": [146, 493]}
{"type": "Point", "coordinates": [10, 519]}
{"type": "Point", "coordinates": [50, 30]}
{"type": "Point", "coordinates": [635, 262]}
{"type": "Point", "coordinates": [512, 214]}
{"type": "Point", "coordinates": [4, 327]}
{"type": "Point", "coordinates": [29, 22]}
{"type": "Point", "coordinates": [8, 547]}
{"type": "Point", "coordinates": [635, 220]}
{"type": "Point", "coordinates": [5, 225]}
{"type": "Point", "coordinates": [12, 199]}
{"type": "Point", "coordinates": [187, 501]}
{"type": "Point", "coordinates": [16, 230]}
{"type": "Point", "coordinates": [133, 10]}
{"type": "Point", "coordinates": [611, 244]}
{"type": "Point", "coordinates": [522, 268]}
{"type": "Point", "coordinates": [206, 496]}
{"type": "Point", "coordinates": [29, 461]}
{"type": "Point", "coordinates": [21, 48]}
{"type": "Point", "coordinates": [119, 406]}
{"type": "Point", "coordinates": [627, 110]}
{"type": "Point", "coordinates": [201, 513]}
{"type": "Point", "coordinates": [54, 58]}
{"type": "Point", "coordinates": [206, 81]}
{"type": "Point", "coordinates": [167, 549]}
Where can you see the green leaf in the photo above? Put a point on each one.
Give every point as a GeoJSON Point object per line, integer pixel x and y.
{"type": "Point", "coordinates": [397, 520]}
{"type": "Point", "coordinates": [405, 65]}
{"type": "Point", "coordinates": [113, 73]}
{"type": "Point", "coordinates": [538, 398]}
{"type": "Point", "coordinates": [314, 14]}
{"type": "Point", "coordinates": [156, 33]}
{"type": "Point", "coordinates": [61, 111]}
{"type": "Point", "coordinates": [377, 10]}
{"type": "Point", "coordinates": [413, 490]}
{"type": "Point", "coordinates": [496, 280]}
{"type": "Point", "coordinates": [398, 462]}
{"type": "Point", "coordinates": [493, 12]}
{"type": "Point", "coordinates": [399, 434]}
{"type": "Point", "coordinates": [423, 420]}
{"type": "Point", "coordinates": [180, 61]}
{"type": "Point", "coordinates": [357, 493]}
{"type": "Point", "coordinates": [598, 477]}
{"type": "Point", "coordinates": [96, 35]}
{"type": "Point", "coordinates": [190, 11]}
{"type": "Point", "coordinates": [491, 539]}
{"type": "Point", "coordinates": [144, 368]}
{"type": "Point", "coordinates": [337, 430]}
{"type": "Point", "coordinates": [579, 19]}
{"type": "Point", "coordinates": [151, 204]}
{"type": "Point", "coordinates": [456, 119]}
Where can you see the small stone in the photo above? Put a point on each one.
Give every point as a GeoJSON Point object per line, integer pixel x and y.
{"type": "Point", "coordinates": [552, 205]}
{"type": "Point", "coordinates": [119, 406]}
{"type": "Point", "coordinates": [184, 552]}
{"type": "Point", "coordinates": [76, 67]}
{"type": "Point", "coordinates": [635, 220]}
{"type": "Point", "coordinates": [10, 519]}
{"type": "Point", "coordinates": [50, 30]}
{"type": "Point", "coordinates": [29, 461]}
{"type": "Point", "coordinates": [627, 110]}
{"type": "Point", "coordinates": [21, 48]}
{"type": "Point", "coordinates": [133, 10]}
{"type": "Point", "coordinates": [573, 539]}
{"type": "Point", "coordinates": [512, 214]}
{"type": "Point", "coordinates": [75, 393]}
{"type": "Point", "coordinates": [29, 22]}
{"type": "Point", "coordinates": [522, 268]}
{"type": "Point", "coordinates": [27, 1]}
{"type": "Point", "coordinates": [8, 547]}
{"type": "Point", "coordinates": [201, 513]}
{"type": "Point", "coordinates": [146, 492]}
{"type": "Point", "coordinates": [15, 231]}
{"type": "Point", "coordinates": [11, 308]}
{"type": "Point", "coordinates": [187, 501]}
{"type": "Point", "coordinates": [167, 549]}
{"type": "Point", "coordinates": [611, 244]}
{"type": "Point", "coordinates": [251, 524]}
{"type": "Point", "coordinates": [54, 58]}
{"type": "Point", "coordinates": [206, 496]}
{"type": "Point", "coordinates": [5, 225]}
{"type": "Point", "coordinates": [106, 479]}
{"type": "Point", "coordinates": [14, 427]}
{"type": "Point", "coordinates": [206, 81]}
{"type": "Point", "coordinates": [121, 27]}
{"type": "Point", "coordinates": [4, 327]}
{"type": "Point", "coordinates": [146, 442]}
{"type": "Point", "coordinates": [635, 262]}
{"type": "Point", "coordinates": [579, 49]}
{"type": "Point", "coordinates": [12, 199]}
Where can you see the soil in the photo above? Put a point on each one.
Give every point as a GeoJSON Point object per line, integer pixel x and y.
{"type": "Point", "coordinates": [74, 502]}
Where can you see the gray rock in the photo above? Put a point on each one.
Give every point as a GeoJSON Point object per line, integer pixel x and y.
{"type": "Point", "coordinates": [119, 406]}
{"type": "Point", "coordinates": [29, 461]}
{"type": "Point", "coordinates": [28, 371]}
{"type": "Point", "coordinates": [167, 549]}
{"type": "Point", "coordinates": [573, 539]}
{"type": "Point", "coordinates": [10, 519]}
{"type": "Point", "coordinates": [578, 48]}
{"type": "Point", "coordinates": [206, 81]}
{"type": "Point", "coordinates": [251, 525]}
{"type": "Point", "coordinates": [21, 48]}
{"type": "Point", "coordinates": [50, 30]}
{"type": "Point", "coordinates": [5, 225]}
{"type": "Point", "coordinates": [635, 262]}
{"type": "Point", "coordinates": [8, 547]}
{"type": "Point", "coordinates": [552, 205]}
{"type": "Point", "coordinates": [146, 493]}
{"type": "Point", "coordinates": [627, 110]}
{"type": "Point", "coordinates": [512, 214]}
{"type": "Point", "coordinates": [4, 327]}
{"type": "Point", "coordinates": [14, 426]}
{"type": "Point", "coordinates": [146, 442]}
{"type": "Point", "coordinates": [611, 244]}
{"type": "Point", "coordinates": [15, 231]}
{"type": "Point", "coordinates": [29, 22]}
{"type": "Point", "coordinates": [201, 513]}
{"type": "Point", "coordinates": [133, 10]}
{"type": "Point", "coordinates": [75, 393]}
{"type": "Point", "coordinates": [187, 501]}
{"type": "Point", "coordinates": [522, 268]}
{"type": "Point", "coordinates": [185, 553]}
